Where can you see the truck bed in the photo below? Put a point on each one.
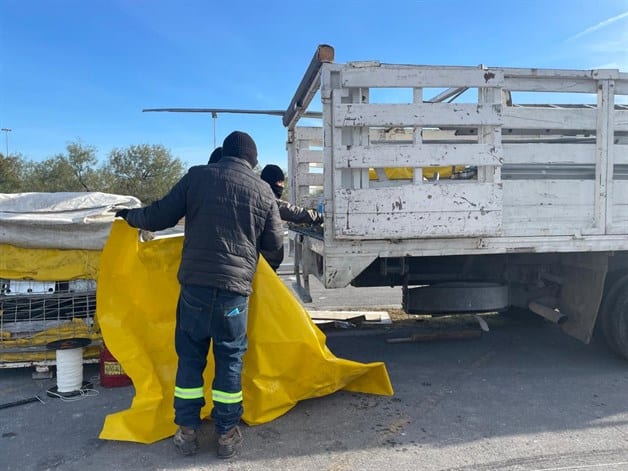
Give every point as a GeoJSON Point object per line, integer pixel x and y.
{"type": "Point", "coordinates": [546, 177]}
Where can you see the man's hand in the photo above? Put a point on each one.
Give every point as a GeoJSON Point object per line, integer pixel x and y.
{"type": "Point", "coordinates": [121, 213]}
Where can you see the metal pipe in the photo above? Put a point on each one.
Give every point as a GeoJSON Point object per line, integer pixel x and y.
{"type": "Point", "coordinates": [547, 312]}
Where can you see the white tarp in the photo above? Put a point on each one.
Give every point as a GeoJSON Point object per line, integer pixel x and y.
{"type": "Point", "coordinates": [59, 220]}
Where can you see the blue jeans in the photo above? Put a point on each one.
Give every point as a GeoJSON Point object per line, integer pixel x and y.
{"type": "Point", "coordinates": [204, 315]}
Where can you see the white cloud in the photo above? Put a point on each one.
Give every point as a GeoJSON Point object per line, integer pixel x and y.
{"type": "Point", "coordinates": [600, 25]}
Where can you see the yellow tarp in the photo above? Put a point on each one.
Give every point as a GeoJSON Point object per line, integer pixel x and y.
{"type": "Point", "coordinates": [17, 263]}
{"type": "Point", "coordinates": [287, 360]}
{"type": "Point", "coordinates": [73, 328]}
{"type": "Point", "coordinates": [406, 173]}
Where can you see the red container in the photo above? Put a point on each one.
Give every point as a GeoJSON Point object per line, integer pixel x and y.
{"type": "Point", "coordinates": [111, 373]}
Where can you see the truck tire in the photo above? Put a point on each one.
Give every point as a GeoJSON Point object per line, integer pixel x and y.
{"type": "Point", "coordinates": [613, 316]}
{"type": "Point", "coordinates": [619, 321]}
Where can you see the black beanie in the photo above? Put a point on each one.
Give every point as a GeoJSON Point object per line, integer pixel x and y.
{"type": "Point", "coordinates": [216, 155]}
{"type": "Point", "coordinates": [272, 174]}
{"type": "Point", "coordinates": [240, 144]}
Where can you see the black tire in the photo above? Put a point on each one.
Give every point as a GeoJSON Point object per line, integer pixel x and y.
{"type": "Point", "coordinates": [456, 297]}
{"type": "Point", "coordinates": [618, 321]}
{"type": "Point", "coordinates": [613, 316]}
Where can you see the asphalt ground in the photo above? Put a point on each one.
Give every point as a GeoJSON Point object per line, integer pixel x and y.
{"type": "Point", "coordinates": [522, 396]}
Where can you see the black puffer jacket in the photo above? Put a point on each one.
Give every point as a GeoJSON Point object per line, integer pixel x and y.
{"type": "Point", "coordinates": [230, 216]}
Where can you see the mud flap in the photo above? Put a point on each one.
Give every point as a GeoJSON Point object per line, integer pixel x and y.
{"type": "Point", "coordinates": [581, 293]}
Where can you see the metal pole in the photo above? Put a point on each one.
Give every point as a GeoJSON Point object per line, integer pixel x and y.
{"type": "Point", "coordinates": [6, 140]}
{"type": "Point", "coordinates": [214, 116]}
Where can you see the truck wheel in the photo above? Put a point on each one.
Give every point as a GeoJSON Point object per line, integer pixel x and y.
{"type": "Point", "coordinates": [619, 321]}
{"type": "Point", "coordinates": [613, 316]}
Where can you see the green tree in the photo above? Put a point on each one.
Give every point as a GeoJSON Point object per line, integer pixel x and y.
{"type": "Point", "coordinates": [74, 171]}
{"type": "Point", "coordinates": [83, 161]}
{"type": "Point", "coordinates": [11, 173]}
{"type": "Point", "coordinates": [145, 171]}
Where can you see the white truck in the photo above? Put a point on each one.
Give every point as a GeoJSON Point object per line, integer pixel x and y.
{"type": "Point", "coordinates": [474, 189]}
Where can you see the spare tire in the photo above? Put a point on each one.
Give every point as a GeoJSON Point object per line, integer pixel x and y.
{"type": "Point", "coordinates": [456, 297]}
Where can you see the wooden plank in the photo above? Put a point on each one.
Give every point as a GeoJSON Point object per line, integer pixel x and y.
{"type": "Point", "coordinates": [540, 84]}
{"type": "Point", "coordinates": [555, 193]}
{"type": "Point", "coordinates": [310, 167]}
{"type": "Point", "coordinates": [620, 214]}
{"type": "Point", "coordinates": [309, 179]}
{"type": "Point", "coordinates": [309, 156]}
{"type": "Point", "coordinates": [388, 76]}
{"type": "Point", "coordinates": [550, 207]}
{"type": "Point", "coordinates": [374, 317]}
{"type": "Point", "coordinates": [291, 147]}
{"type": "Point", "coordinates": [621, 87]}
{"type": "Point", "coordinates": [420, 155]}
{"type": "Point", "coordinates": [417, 137]}
{"type": "Point", "coordinates": [308, 201]}
{"type": "Point", "coordinates": [621, 196]}
{"type": "Point", "coordinates": [549, 118]}
{"type": "Point", "coordinates": [617, 204]}
{"type": "Point", "coordinates": [563, 74]}
{"type": "Point", "coordinates": [490, 135]}
{"type": "Point", "coordinates": [547, 207]}
{"type": "Point", "coordinates": [538, 218]}
{"type": "Point", "coordinates": [604, 154]}
{"type": "Point", "coordinates": [620, 154]}
{"type": "Point", "coordinates": [414, 114]}
{"type": "Point", "coordinates": [549, 153]}
{"type": "Point", "coordinates": [416, 225]}
{"type": "Point", "coordinates": [429, 197]}
{"type": "Point", "coordinates": [621, 120]}
{"type": "Point", "coordinates": [308, 133]}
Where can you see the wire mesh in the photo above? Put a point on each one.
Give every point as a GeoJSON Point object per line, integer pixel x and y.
{"type": "Point", "coordinates": [32, 314]}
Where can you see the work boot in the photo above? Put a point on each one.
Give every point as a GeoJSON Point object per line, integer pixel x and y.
{"type": "Point", "coordinates": [186, 441]}
{"type": "Point", "coordinates": [227, 443]}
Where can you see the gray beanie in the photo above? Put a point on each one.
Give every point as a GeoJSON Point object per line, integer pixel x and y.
{"type": "Point", "coordinates": [240, 144]}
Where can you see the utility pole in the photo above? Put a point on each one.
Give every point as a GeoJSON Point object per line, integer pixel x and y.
{"type": "Point", "coordinates": [6, 132]}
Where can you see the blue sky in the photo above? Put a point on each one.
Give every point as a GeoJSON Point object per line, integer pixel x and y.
{"type": "Point", "coordinates": [84, 70]}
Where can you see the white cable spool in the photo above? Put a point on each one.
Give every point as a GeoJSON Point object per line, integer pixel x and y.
{"type": "Point", "coordinates": [69, 356]}
{"type": "Point", "coordinates": [69, 370]}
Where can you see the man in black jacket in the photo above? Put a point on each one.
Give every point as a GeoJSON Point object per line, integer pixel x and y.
{"type": "Point", "coordinates": [274, 176]}
{"type": "Point", "coordinates": [230, 216]}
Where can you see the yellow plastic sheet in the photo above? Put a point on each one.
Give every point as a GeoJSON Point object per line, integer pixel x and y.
{"type": "Point", "coordinates": [406, 173]}
{"type": "Point", "coordinates": [18, 263]}
{"type": "Point", "coordinates": [73, 328]}
{"type": "Point", "coordinates": [287, 360]}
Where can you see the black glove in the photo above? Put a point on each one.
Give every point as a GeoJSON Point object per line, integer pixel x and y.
{"type": "Point", "coordinates": [121, 213]}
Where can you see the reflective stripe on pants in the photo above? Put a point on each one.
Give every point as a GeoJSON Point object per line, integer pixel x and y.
{"type": "Point", "coordinates": [209, 315]}
{"type": "Point", "coordinates": [225, 397]}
